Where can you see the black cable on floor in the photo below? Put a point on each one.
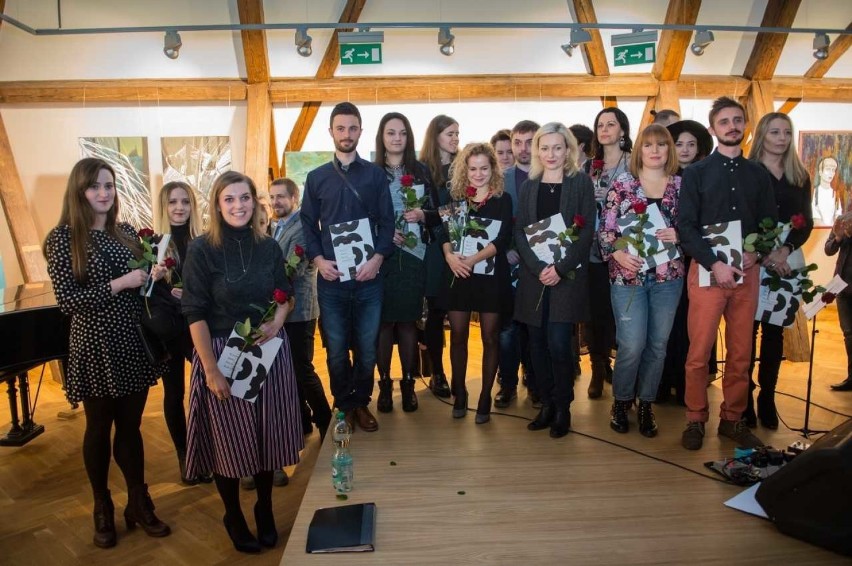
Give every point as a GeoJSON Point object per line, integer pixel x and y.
{"type": "Point", "coordinates": [824, 408]}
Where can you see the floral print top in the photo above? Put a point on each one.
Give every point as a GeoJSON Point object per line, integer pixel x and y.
{"type": "Point", "coordinates": [624, 194]}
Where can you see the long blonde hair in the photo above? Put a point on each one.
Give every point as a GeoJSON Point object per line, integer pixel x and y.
{"type": "Point", "coordinates": [162, 222]}
{"type": "Point", "coordinates": [573, 150]}
{"type": "Point", "coordinates": [78, 215]}
{"type": "Point", "coordinates": [794, 169]}
{"type": "Point", "coordinates": [460, 182]}
{"type": "Point", "coordinates": [215, 229]}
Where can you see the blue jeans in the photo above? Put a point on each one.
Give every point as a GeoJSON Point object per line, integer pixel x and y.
{"type": "Point", "coordinates": [643, 321]}
{"type": "Point", "coordinates": [350, 320]}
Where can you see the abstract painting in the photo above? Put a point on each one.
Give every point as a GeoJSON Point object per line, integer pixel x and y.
{"type": "Point", "coordinates": [197, 161]}
{"type": "Point", "coordinates": [299, 163]}
{"type": "Point", "coordinates": [828, 158]}
{"type": "Point", "coordinates": [128, 157]}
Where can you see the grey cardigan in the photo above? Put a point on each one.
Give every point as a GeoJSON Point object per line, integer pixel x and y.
{"type": "Point", "coordinates": [569, 299]}
{"type": "Point", "coordinates": [305, 281]}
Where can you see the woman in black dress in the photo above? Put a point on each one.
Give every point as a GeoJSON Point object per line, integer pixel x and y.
{"type": "Point", "coordinates": [553, 297]}
{"type": "Point", "coordinates": [480, 281]}
{"type": "Point", "coordinates": [178, 217]}
{"type": "Point", "coordinates": [228, 270]}
{"type": "Point", "coordinates": [775, 149]}
{"type": "Point", "coordinates": [87, 260]}
{"type": "Point", "coordinates": [405, 273]}
{"type": "Point", "coordinates": [440, 144]}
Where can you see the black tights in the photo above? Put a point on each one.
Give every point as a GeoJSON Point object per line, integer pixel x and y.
{"type": "Point", "coordinates": [126, 414]}
{"type": "Point", "coordinates": [406, 336]}
{"type": "Point", "coordinates": [433, 336]}
{"type": "Point", "coordinates": [229, 491]}
{"type": "Point", "coordinates": [173, 391]}
{"type": "Point", "coordinates": [489, 326]}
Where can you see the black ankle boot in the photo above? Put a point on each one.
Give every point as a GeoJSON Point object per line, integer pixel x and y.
{"type": "Point", "coordinates": [240, 534]}
{"type": "Point", "coordinates": [409, 397]}
{"type": "Point", "coordinates": [439, 386]}
{"type": "Point", "coordinates": [140, 509]}
{"type": "Point", "coordinates": [385, 402]}
{"type": "Point", "coordinates": [544, 417]}
{"type": "Point", "coordinates": [267, 534]}
{"type": "Point", "coordinates": [766, 410]}
{"type": "Point", "coordinates": [618, 416]}
{"type": "Point", "coordinates": [561, 423]}
{"type": "Point", "coordinates": [647, 423]}
{"type": "Point", "coordinates": [104, 516]}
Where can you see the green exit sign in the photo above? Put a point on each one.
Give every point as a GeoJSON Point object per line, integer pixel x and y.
{"type": "Point", "coordinates": [634, 54]}
{"type": "Point", "coordinates": [360, 53]}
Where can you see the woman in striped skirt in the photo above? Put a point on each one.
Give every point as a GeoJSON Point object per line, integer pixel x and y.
{"type": "Point", "coordinates": [228, 271]}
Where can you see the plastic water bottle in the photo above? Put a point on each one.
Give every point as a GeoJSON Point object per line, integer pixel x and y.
{"type": "Point", "coordinates": [341, 463]}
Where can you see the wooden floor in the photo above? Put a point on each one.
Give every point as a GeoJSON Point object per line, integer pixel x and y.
{"type": "Point", "coordinates": [592, 501]}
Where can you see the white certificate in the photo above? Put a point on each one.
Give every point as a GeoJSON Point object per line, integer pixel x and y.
{"type": "Point", "coordinates": [353, 246]}
{"type": "Point", "coordinates": [247, 367]}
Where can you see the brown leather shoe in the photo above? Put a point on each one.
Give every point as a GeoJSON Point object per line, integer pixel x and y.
{"type": "Point", "coordinates": [365, 419]}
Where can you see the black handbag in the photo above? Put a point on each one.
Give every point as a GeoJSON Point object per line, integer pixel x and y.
{"type": "Point", "coordinates": [155, 349]}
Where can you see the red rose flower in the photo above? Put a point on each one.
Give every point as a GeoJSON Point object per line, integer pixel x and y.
{"type": "Point", "coordinates": [597, 165]}
{"type": "Point", "coordinates": [640, 208]}
{"type": "Point", "coordinates": [407, 180]}
{"type": "Point", "coordinates": [169, 262]}
{"type": "Point", "coordinates": [828, 298]}
{"type": "Point", "coordinates": [279, 296]}
{"type": "Point", "coordinates": [299, 250]}
{"type": "Point", "coordinates": [470, 192]}
{"type": "Point", "coordinates": [579, 221]}
{"type": "Point", "coordinates": [146, 233]}
{"type": "Point", "coordinates": [798, 221]}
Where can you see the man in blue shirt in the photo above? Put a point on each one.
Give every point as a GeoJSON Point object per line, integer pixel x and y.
{"type": "Point", "coordinates": [346, 189]}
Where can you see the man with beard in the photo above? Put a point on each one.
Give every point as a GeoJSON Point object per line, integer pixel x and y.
{"type": "Point", "coordinates": [722, 188]}
{"type": "Point", "coordinates": [346, 189]}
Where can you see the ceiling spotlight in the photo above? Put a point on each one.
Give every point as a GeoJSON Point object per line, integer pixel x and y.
{"type": "Point", "coordinates": [579, 36]}
{"type": "Point", "coordinates": [447, 41]}
{"type": "Point", "coordinates": [821, 43]}
{"type": "Point", "coordinates": [172, 45]}
{"type": "Point", "coordinates": [303, 42]}
{"type": "Point", "coordinates": [703, 38]}
{"type": "Point", "coordinates": [568, 48]}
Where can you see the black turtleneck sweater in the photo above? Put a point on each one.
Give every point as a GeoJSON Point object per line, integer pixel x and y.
{"type": "Point", "coordinates": [220, 284]}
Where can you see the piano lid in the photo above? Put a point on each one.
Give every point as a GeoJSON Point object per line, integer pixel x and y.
{"type": "Point", "coordinates": [28, 296]}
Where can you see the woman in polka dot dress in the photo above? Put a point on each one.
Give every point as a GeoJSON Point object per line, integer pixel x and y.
{"type": "Point", "coordinates": [87, 255]}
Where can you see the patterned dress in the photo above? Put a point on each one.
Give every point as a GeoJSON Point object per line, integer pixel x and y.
{"type": "Point", "coordinates": [106, 358]}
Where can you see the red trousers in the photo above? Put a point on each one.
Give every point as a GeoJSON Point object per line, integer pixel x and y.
{"type": "Point", "coordinates": [707, 305]}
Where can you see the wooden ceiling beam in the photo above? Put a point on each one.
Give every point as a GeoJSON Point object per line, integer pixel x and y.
{"type": "Point", "coordinates": [192, 90]}
{"type": "Point", "coordinates": [593, 52]}
{"type": "Point", "coordinates": [327, 67]}
{"type": "Point", "coordinates": [254, 41]}
{"type": "Point", "coordinates": [767, 48]}
{"type": "Point", "coordinates": [672, 47]}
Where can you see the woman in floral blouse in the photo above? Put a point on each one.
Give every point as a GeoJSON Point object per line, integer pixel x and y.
{"type": "Point", "coordinates": [644, 298]}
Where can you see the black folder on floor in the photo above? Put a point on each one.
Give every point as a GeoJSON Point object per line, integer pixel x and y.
{"type": "Point", "coordinates": [350, 528]}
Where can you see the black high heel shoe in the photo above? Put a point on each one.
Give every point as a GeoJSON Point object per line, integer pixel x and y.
{"type": "Point", "coordinates": [483, 409]}
{"type": "Point", "coordinates": [460, 406]}
{"type": "Point", "coordinates": [267, 534]}
{"type": "Point", "coordinates": [240, 535]}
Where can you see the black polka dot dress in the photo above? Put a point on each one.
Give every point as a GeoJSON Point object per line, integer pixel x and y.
{"type": "Point", "coordinates": [106, 358]}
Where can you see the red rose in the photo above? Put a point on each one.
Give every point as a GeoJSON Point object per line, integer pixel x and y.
{"type": "Point", "coordinates": [798, 221]}
{"type": "Point", "coordinates": [146, 233]}
{"type": "Point", "coordinates": [640, 208]}
{"type": "Point", "coordinates": [279, 296]}
{"type": "Point", "coordinates": [299, 251]}
{"type": "Point", "coordinates": [169, 262]}
{"type": "Point", "coordinates": [407, 180]}
{"type": "Point", "coordinates": [470, 192]}
{"type": "Point", "coordinates": [579, 221]}
{"type": "Point", "coordinates": [597, 165]}
{"type": "Point", "coordinates": [828, 298]}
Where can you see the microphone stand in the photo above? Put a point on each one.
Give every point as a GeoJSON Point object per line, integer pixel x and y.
{"type": "Point", "coordinates": [806, 430]}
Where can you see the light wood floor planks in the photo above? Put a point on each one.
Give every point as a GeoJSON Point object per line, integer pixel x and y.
{"type": "Point", "coordinates": [600, 503]}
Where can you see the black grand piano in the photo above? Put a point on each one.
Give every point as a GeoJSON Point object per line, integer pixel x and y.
{"type": "Point", "coordinates": [32, 332]}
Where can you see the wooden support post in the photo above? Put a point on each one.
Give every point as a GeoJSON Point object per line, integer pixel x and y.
{"type": "Point", "coordinates": [258, 128]}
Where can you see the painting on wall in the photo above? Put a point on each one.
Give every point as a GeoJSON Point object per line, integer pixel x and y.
{"type": "Point", "coordinates": [128, 157]}
{"type": "Point", "coordinates": [197, 161]}
{"type": "Point", "coordinates": [299, 163]}
{"type": "Point", "coordinates": [828, 158]}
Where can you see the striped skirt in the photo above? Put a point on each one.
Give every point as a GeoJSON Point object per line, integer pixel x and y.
{"type": "Point", "coordinates": [236, 438]}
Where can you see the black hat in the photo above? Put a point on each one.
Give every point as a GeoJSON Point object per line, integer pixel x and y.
{"type": "Point", "coordinates": [705, 142]}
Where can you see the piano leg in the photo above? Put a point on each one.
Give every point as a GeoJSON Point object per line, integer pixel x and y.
{"type": "Point", "coordinates": [20, 433]}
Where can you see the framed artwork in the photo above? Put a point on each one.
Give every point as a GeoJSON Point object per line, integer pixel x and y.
{"type": "Point", "coordinates": [128, 157]}
{"type": "Point", "coordinates": [299, 163]}
{"type": "Point", "coordinates": [197, 161]}
{"type": "Point", "coordinates": [828, 158]}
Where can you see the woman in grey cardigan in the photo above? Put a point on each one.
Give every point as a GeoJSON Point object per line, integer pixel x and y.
{"type": "Point", "coordinates": [553, 297]}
